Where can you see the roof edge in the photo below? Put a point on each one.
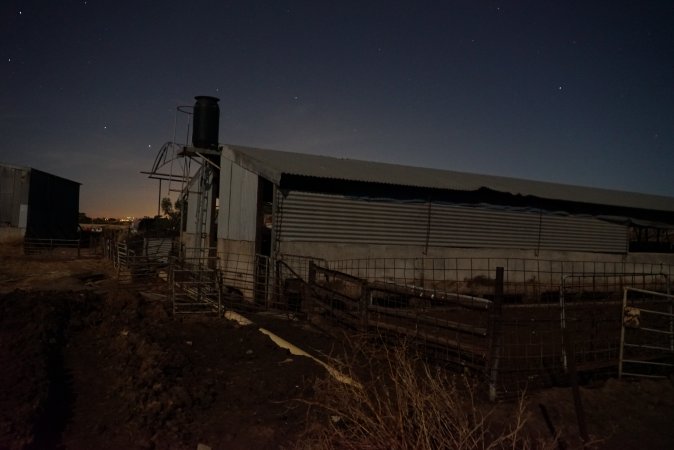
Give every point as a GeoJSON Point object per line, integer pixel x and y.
{"type": "Point", "coordinates": [273, 164]}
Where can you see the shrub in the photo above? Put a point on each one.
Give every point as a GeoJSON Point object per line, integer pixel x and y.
{"type": "Point", "coordinates": [400, 402]}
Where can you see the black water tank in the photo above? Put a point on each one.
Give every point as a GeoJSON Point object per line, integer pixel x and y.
{"type": "Point", "coordinates": [206, 122]}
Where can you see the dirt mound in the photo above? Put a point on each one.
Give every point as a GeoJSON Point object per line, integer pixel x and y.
{"type": "Point", "coordinates": [89, 372]}
{"type": "Point", "coordinates": [33, 331]}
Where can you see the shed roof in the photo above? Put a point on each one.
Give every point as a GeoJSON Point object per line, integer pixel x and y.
{"type": "Point", "coordinates": [29, 169]}
{"type": "Point", "coordinates": [273, 164]}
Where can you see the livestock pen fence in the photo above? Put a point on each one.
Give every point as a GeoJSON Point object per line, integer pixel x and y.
{"type": "Point", "coordinates": [140, 260]}
{"type": "Point", "coordinates": [52, 247]}
{"type": "Point", "coordinates": [522, 328]}
{"type": "Point", "coordinates": [245, 282]}
{"type": "Point", "coordinates": [84, 246]}
{"type": "Point", "coordinates": [520, 323]}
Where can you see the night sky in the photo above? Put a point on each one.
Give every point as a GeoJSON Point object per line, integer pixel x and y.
{"type": "Point", "coordinates": [572, 92]}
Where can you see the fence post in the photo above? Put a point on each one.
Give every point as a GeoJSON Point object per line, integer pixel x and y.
{"type": "Point", "coordinates": [312, 272]}
{"type": "Point", "coordinates": [562, 323]}
{"type": "Point", "coordinates": [308, 301]}
{"type": "Point", "coordinates": [575, 390]}
{"type": "Point", "coordinates": [494, 327]}
{"type": "Point", "coordinates": [363, 304]}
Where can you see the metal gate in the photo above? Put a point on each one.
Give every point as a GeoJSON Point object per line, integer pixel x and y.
{"type": "Point", "coordinates": [647, 334]}
{"type": "Point", "coordinates": [590, 306]}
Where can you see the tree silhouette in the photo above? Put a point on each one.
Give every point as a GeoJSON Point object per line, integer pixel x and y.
{"type": "Point", "coordinates": [167, 206]}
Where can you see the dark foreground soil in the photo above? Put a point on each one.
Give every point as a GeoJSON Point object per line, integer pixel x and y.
{"type": "Point", "coordinates": [87, 365]}
{"type": "Point", "coordinates": [92, 372]}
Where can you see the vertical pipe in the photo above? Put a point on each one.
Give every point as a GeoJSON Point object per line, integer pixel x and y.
{"type": "Point", "coordinates": [622, 335]}
{"type": "Point", "coordinates": [428, 226]}
{"type": "Point", "coordinates": [495, 323]}
{"type": "Point", "coordinates": [562, 322]}
{"type": "Point", "coordinates": [173, 290]}
{"type": "Point", "coordinates": [671, 317]}
{"type": "Point", "coordinates": [159, 200]}
{"type": "Point", "coordinates": [312, 272]}
{"type": "Point", "coordinates": [219, 289]}
{"type": "Point", "coordinates": [363, 304]}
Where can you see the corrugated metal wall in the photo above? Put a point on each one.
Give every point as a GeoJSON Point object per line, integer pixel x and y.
{"type": "Point", "coordinates": [310, 217]}
{"type": "Point", "coordinates": [237, 217]}
{"type": "Point", "coordinates": [14, 182]}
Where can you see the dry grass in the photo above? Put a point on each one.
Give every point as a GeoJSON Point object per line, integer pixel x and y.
{"type": "Point", "coordinates": [407, 404]}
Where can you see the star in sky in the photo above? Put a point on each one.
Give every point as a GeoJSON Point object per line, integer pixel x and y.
{"type": "Point", "coordinates": [448, 85]}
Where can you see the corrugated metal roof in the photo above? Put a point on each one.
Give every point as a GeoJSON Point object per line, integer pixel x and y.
{"type": "Point", "coordinates": [272, 164]}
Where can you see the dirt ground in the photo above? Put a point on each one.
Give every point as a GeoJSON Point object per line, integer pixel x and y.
{"type": "Point", "coordinates": [89, 364]}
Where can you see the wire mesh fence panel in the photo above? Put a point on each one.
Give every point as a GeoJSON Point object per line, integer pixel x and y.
{"type": "Point", "coordinates": [531, 348]}
{"type": "Point", "coordinates": [526, 280]}
{"type": "Point", "coordinates": [134, 266]}
{"type": "Point", "coordinates": [195, 286]}
{"type": "Point", "coordinates": [541, 298]}
{"type": "Point", "coordinates": [244, 281]}
{"type": "Point", "coordinates": [258, 282]}
{"type": "Point", "coordinates": [52, 248]}
{"type": "Point", "coordinates": [445, 306]}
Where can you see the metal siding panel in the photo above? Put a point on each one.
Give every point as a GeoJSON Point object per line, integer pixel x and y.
{"type": "Point", "coordinates": [234, 224]}
{"type": "Point", "coordinates": [238, 203]}
{"type": "Point", "coordinates": [7, 202]}
{"type": "Point", "coordinates": [456, 226]}
{"type": "Point", "coordinates": [248, 209]}
{"type": "Point", "coordinates": [224, 210]}
{"type": "Point", "coordinates": [580, 233]}
{"type": "Point", "coordinates": [322, 218]}
{"type": "Point", "coordinates": [13, 193]}
{"type": "Point", "coordinates": [482, 227]}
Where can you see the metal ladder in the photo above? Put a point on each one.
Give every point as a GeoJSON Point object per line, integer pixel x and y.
{"type": "Point", "coordinates": [203, 206]}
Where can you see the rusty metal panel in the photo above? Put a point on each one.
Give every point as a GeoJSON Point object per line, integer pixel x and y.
{"type": "Point", "coordinates": [312, 217]}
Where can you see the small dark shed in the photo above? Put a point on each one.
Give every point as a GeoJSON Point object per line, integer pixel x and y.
{"type": "Point", "coordinates": [37, 204]}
